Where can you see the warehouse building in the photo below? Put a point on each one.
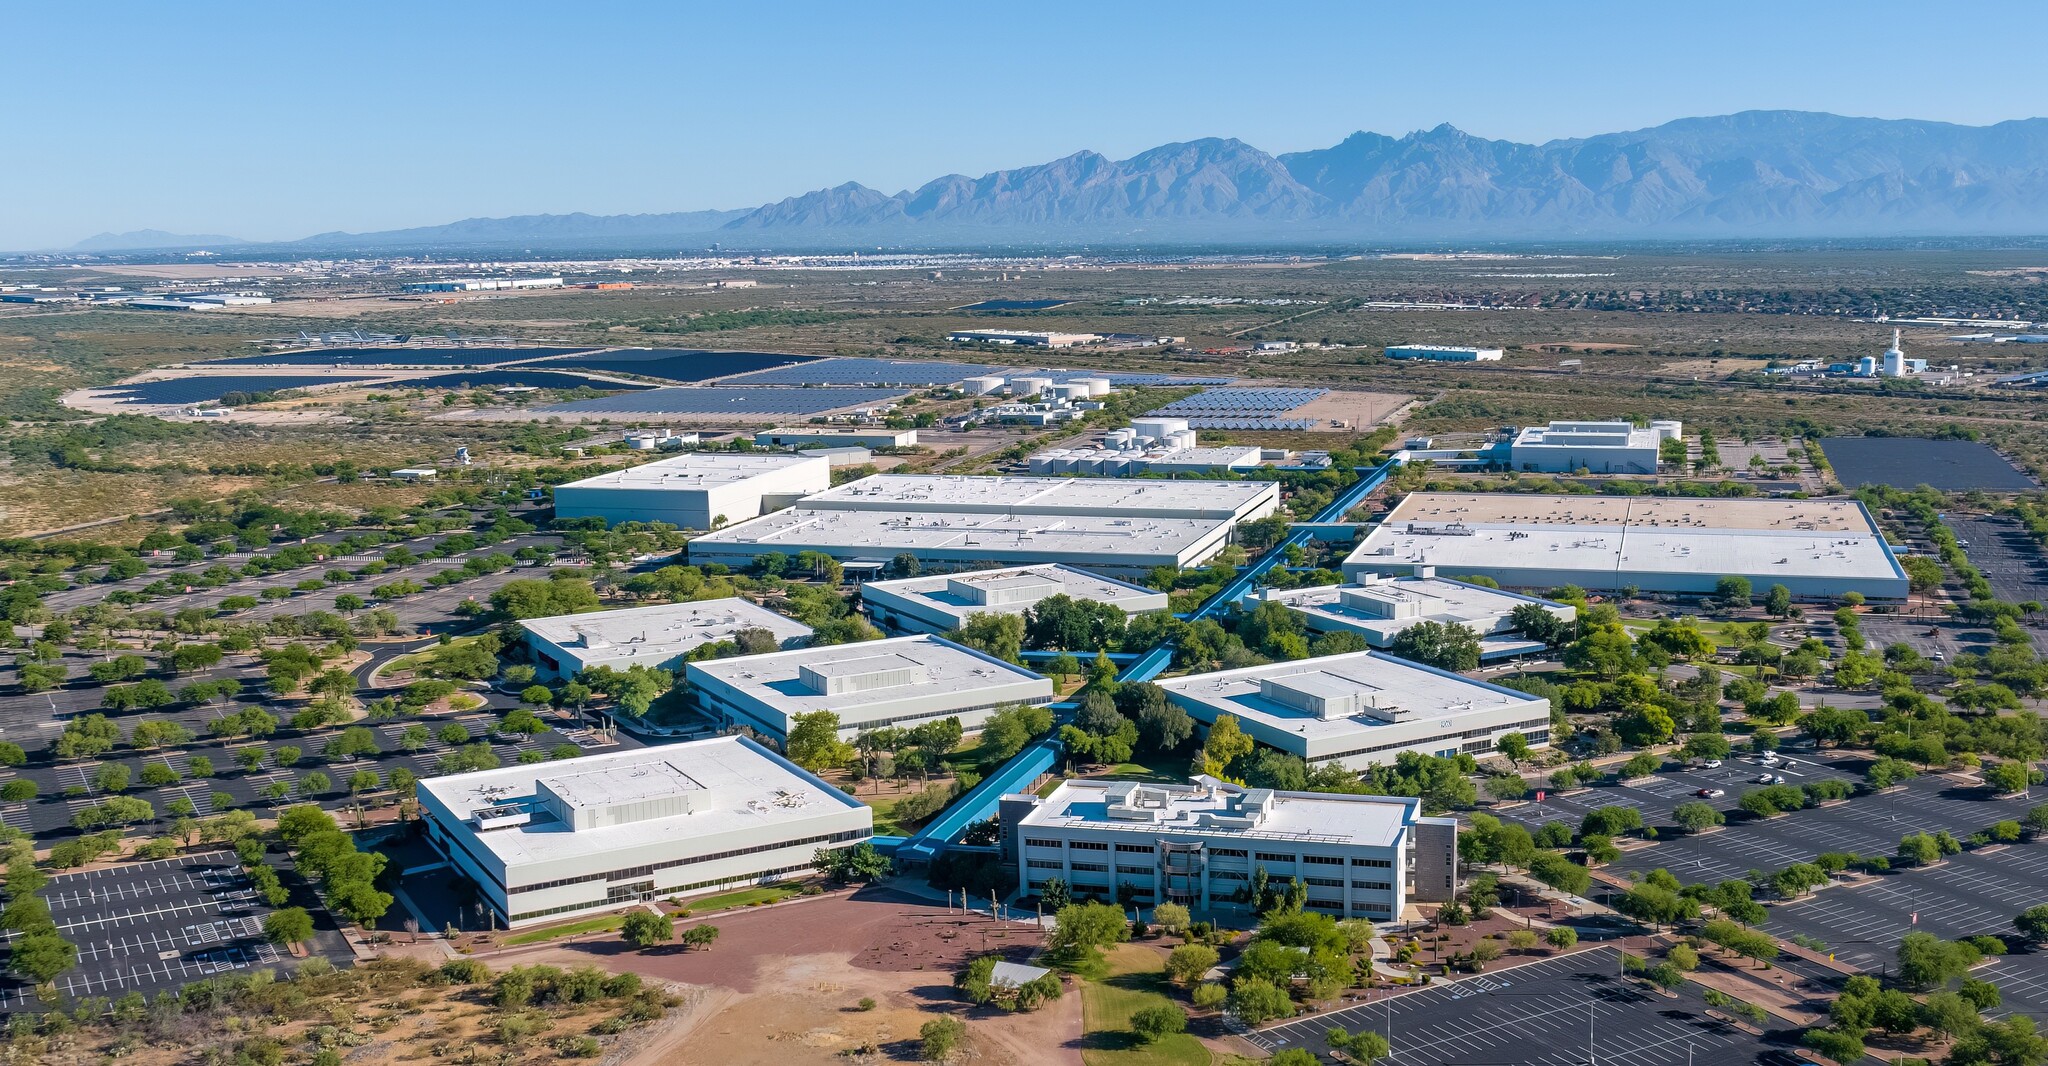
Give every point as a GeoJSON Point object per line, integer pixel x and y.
{"type": "Point", "coordinates": [1201, 844]}
{"type": "Point", "coordinates": [1024, 338]}
{"type": "Point", "coordinates": [1599, 447]}
{"type": "Point", "coordinates": [869, 540]}
{"type": "Point", "coordinates": [1444, 353]}
{"type": "Point", "coordinates": [901, 682]}
{"type": "Point", "coordinates": [941, 603]}
{"type": "Point", "coordinates": [483, 284]}
{"type": "Point", "coordinates": [698, 490]}
{"type": "Point", "coordinates": [1362, 708]}
{"type": "Point", "coordinates": [1378, 608]}
{"type": "Point", "coordinates": [1819, 549]}
{"type": "Point", "coordinates": [939, 494]}
{"type": "Point", "coordinates": [826, 437]}
{"type": "Point", "coordinates": [657, 636]}
{"type": "Point", "coordinates": [547, 840]}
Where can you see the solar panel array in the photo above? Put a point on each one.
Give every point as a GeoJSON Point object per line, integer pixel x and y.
{"type": "Point", "coordinates": [393, 357]}
{"type": "Point", "coordinates": [1242, 403]}
{"type": "Point", "coordinates": [540, 379]}
{"type": "Point", "coordinates": [206, 389]}
{"type": "Point", "coordinates": [1215, 422]}
{"type": "Point", "coordinates": [1133, 381]}
{"type": "Point", "coordinates": [854, 371]}
{"type": "Point", "coordinates": [682, 364]}
{"type": "Point", "coordinates": [715, 400]}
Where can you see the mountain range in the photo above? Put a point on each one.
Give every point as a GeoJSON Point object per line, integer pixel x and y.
{"type": "Point", "coordinates": [1758, 173]}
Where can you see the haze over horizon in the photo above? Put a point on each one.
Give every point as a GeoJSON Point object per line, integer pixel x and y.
{"type": "Point", "coordinates": [383, 116]}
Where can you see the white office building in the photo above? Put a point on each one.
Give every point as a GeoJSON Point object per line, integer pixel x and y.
{"type": "Point", "coordinates": [1023, 338]}
{"type": "Point", "coordinates": [1818, 549]}
{"type": "Point", "coordinates": [900, 682]}
{"type": "Point", "coordinates": [872, 539]}
{"type": "Point", "coordinates": [1201, 844]}
{"type": "Point", "coordinates": [1379, 608]}
{"type": "Point", "coordinates": [657, 636]}
{"type": "Point", "coordinates": [827, 437]}
{"type": "Point", "coordinates": [937, 494]}
{"type": "Point", "coordinates": [1599, 447]}
{"type": "Point", "coordinates": [1362, 708]}
{"type": "Point", "coordinates": [550, 840]}
{"type": "Point", "coordinates": [941, 603]}
{"type": "Point", "coordinates": [1443, 353]}
{"type": "Point", "coordinates": [696, 490]}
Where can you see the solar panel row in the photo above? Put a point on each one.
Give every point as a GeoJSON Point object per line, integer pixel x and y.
{"type": "Point", "coordinates": [539, 379]}
{"type": "Point", "coordinates": [1242, 402]}
{"type": "Point", "coordinates": [855, 371]}
{"type": "Point", "coordinates": [714, 400]}
{"type": "Point", "coordinates": [681, 364]}
{"type": "Point", "coordinates": [1212, 422]}
{"type": "Point", "coordinates": [393, 357]}
{"type": "Point", "coordinates": [204, 389]}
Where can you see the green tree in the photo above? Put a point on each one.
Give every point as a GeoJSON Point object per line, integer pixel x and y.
{"type": "Point", "coordinates": [1156, 1023]}
{"type": "Point", "coordinates": [1083, 928]}
{"type": "Point", "coordinates": [1446, 646]}
{"type": "Point", "coordinates": [813, 741]}
{"type": "Point", "coordinates": [290, 925]}
{"type": "Point", "coordinates": [645, 929]}
{"type": "Point", "coordinates": [1513, 746]}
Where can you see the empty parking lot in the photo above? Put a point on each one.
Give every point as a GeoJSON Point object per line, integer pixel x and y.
{"type": "Point", "coordinates": [144, 926]}
{"type": "Point", "coordinates": [1565, 1011]}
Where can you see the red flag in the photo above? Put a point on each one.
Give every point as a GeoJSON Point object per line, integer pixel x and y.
{"type": "Point", "coordinates": [1916, 918]}
{"type": "Point", "coordinates": [1539, 795]}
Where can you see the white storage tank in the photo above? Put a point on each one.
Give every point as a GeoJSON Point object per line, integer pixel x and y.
{"type": "Point", "coordinates": [982, 386]}
{"type": "Point", "coordinates": [1120, 438]}
{"type": "Point", "coordinates": [1159, 429]}
{"type": "Point", "coordinates": [1096, 386]}
{"type": "Point", "coordinates": [1030, 386]}
{"type": "Point", "coordinates": [1184, 439]}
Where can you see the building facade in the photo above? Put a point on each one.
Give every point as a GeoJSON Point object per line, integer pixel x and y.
{"type": "Point", "coordinates": [545, 841]}
{"type": "Point", "coordinates": [941, 603]}
{"type": "Point", "coordinates": [902, 682]}
{"type": "Point", "coordinates": [657, 636]}
{"type": "Point", "coordinates": [695, 490]}
{"type": "Point", "coordinates": [1362, 708]}
{"type": "Point", "coordinates": [1201, 845]}
{"type": "Point", "coordinates": [1444, 353]}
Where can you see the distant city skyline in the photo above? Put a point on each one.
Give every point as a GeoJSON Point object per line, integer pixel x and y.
{"type": "Point", "coordinates": [277, 122]}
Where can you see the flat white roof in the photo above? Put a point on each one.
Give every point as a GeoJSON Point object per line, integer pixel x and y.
{"type": "Point", "coordinates": [878, 671]}
{"type": "Point", "coordinates": [1588, 435]}
{"type": "Point", "coordinates": [660, 633]}
{"type": "Point", "coordinates": [942, 593]}
{"type": "Point", "coordinates": [1304, 817]}
{"type": "Point", "coordinates": [734, 784]}
{"type": "Point", "coordinates": [1025, 495]}
{"type": "Point", "coordinates": [885, 532]}
{"type": "Point", "coordinates": [1819, 539]}
{"type": "Point", "coordinates": [1378, 684]}
{"type": "Point", "coordinates": [692, 470]}
{"type": "Point", "coordinates": [1434, 599]}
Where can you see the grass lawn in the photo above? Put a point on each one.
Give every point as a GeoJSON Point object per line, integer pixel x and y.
{"type": "Point", "coordinates": [744, 897]}
{"type": "Point", "coordinates": [415, 661]}
{"type": "Point", "coordinates": [588, 925]}
{"type": "Point", "coordinates": [884, 806]}
{"type": "Point", "coordinates": [1136, 980]}
{"type": "Point", "coordinates": [1171, 771]}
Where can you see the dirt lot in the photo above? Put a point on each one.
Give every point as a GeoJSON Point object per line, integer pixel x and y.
{"type": "Point", "coordinates": [1357, 410]}
{"type": "Point", "coordinates": [782, 984]}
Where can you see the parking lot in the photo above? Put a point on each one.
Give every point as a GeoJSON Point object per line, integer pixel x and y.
{"type": "Point", "coordinates": [1564, 1011]}
{"type": "Point", "coordinates": [1659, 794]}
{"type": "Point", "coordinates": [1865, 825]}
{"type": "Point", "coordinates": [2007, 556]}
{"type": "Point", "coordinates": [145, 926]}
{"type": "Point", "coordinates": [1973, 894]}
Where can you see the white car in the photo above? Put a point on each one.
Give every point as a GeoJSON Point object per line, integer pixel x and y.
{"type": "Point", "coordinates": [1765, 779]}
{"type": "Point", "coordinates": [1712, 764]}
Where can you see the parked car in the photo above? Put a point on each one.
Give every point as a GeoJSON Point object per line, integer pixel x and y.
{"type": "Point", "coordinates": [1710, 793]}
{"type": "Point", "coordinates": [1712, 764]}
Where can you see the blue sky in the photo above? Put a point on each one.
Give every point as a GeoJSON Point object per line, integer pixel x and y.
{"type": "Point", "coordinates": [275, 121]}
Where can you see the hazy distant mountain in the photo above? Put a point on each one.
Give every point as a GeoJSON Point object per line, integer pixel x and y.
{"type": "Point", "coordinates": [575, 228]}
{"type": "Point", "coordinates": [152, 240]}
{"type": "Point", "coordinates": [1759, 173]}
